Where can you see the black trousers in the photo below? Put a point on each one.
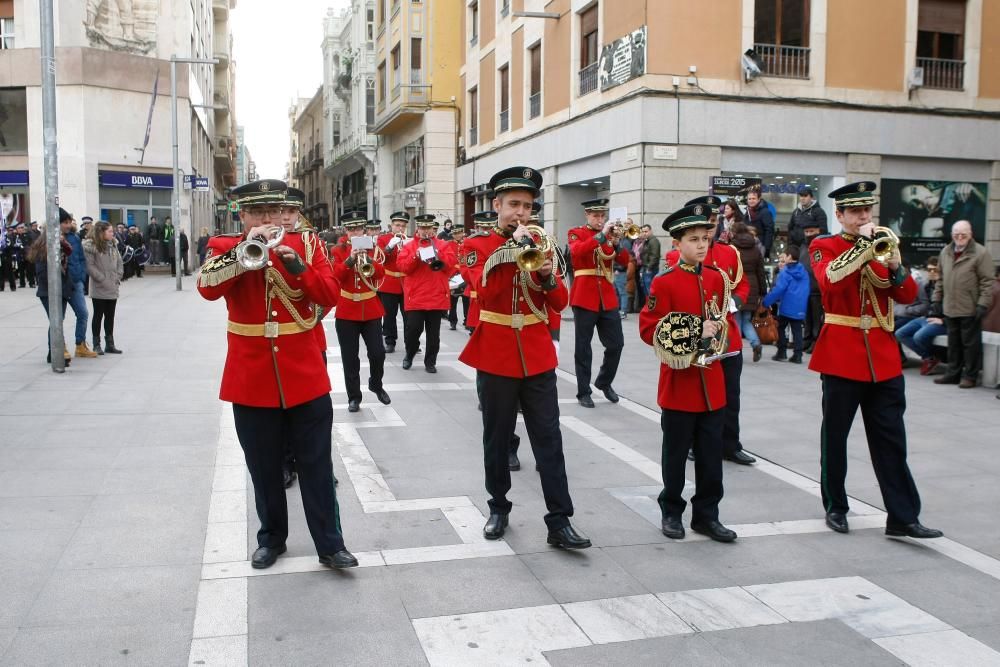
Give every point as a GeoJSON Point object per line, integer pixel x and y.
{"type": "Point", "coordinates": [539, 402]}
{"type": "Point", "coordinates": [307, 427]}
{"type": "Point", "coordinates": [29, 271]}
{"type": "Point", "coordinates": [418, 321]}
{"type": "Point", "coordinates": [609, 331]}
{"type": "Point", "coordinates": [393, 304]}
{"type": "Point", "coordinates": [965, 346]}
{"type": "Point", "coordinates": [682, 431]}
{"type": "Point", "coordinates": [732, 369]}
{"type": "Point", "coordinates": [7, 272]}
{"type": "Point", "coordinates": [814, 319]}
{"type": "Point", "coordinates": [882, 405]}
{"type": "Point", "coordinates": [104, 309]}
{"type": "Point", "coordinates": [348, 334]}
{"type": "Point", "coordinates": [453, 312]}
{"type": "Point", "coordinates": [796, 327]}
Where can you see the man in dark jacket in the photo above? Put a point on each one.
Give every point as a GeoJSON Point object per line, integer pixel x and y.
{"type": "Point", "coordinates": [155, 235]}
{"type": "Point", "coordinates": [759, 216]}
{"type": "Point", "coordinates": [168, 245]}
{"type": "Point", "coordinates": [76, 269]}
{"type": "Point", "coordinates": [807, 214]}
{"type": "Point", "coordinates": [185, 246]}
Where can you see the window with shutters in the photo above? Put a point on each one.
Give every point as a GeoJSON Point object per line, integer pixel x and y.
{"type": "Point", "coordinates": [474, 116]}
{"type": "Point", "coordinates": [504, 98]}
{"type": "Point", "coordinates": [535, 81]}
{"type": "Point", "coordinates": [941, 43]}
{"type": "Point", "coordinates": [589, 50]}
{"type": "Point", "coordinates": [781, 37]}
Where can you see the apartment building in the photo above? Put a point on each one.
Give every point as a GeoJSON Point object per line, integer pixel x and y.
{"type": "Point", "coordinates": [349, 108]}
{"type": "Point", "coordinates": [418, 53]}
{"type": "Point", "coordinates": [651, 103]}
{"type": "Point", "coordinates": [110, 58]}
{"type": "Point", "coordinates": [307, 166]}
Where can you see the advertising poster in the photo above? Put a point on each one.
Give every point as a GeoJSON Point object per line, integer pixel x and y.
{"type": "Point", "coordinates": [623, 59]}
{"type": "Point", "coordinates": [922, 212]}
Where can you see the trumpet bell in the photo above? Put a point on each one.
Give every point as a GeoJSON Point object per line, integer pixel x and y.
{"type": "Point", "coordinates": [530, 259]}
{"type": "Point", "coordinates": [252, 254]}
{"type": "Point", "coordinates": [631, 232]}
{"type": "Point", "coordinates": [884, 244]}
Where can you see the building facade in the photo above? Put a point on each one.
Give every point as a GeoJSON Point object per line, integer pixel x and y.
{"type": "Point", "coordinates": [307, 169]}
{"type": "Point", "coordinates": [647, 102]}
{"type": "Point", "coordinates": [418, 52]}
{"type": "Point", "coordinates": [110, 58]}
{"type": "Point", "coordinates": [349, 108]}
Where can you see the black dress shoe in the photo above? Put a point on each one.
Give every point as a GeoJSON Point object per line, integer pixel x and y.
{"type": "Point", "coordinates": [742, 458]}
{"type": "Point", "coordinates": [288, 477]}
{"type": "Point", "coordinates": [837, 522]}
{"type": "Point", "coordinates": [353, 405]}
{"type": "Point", "coordinates": [340, 560]}
{"type": "Point", "coordinates": [264, 557]}
{"type": "Point", "coordinates": [915, 529]}
{"type": "Point", "coordinates": [609, 393]}
{"type": "Point", "coordinates": [948, 379]}
{"type": "Point", "coordinates": [672, 528]}
{"type": "Point", "coordinates": [390, 348]}
{"type": "Point", "coordinates": [567, 538]}
{"type": "Point", "coordinates": [407, 363]}
{"type": "Point", "coordinates": [452, 327]}
{"type": "Point", "coordinates": [493, 530]}
{"type": "Point", "coordinates": [513, 463]}
{"type": "Point", "coordinates": [585, 401]}
{"type": "Point", "coordinates": [382, 396]}
{"type": "Point", "coordinates": [431, 369]}
{"type": "Point", "coordinates": [714, 530]}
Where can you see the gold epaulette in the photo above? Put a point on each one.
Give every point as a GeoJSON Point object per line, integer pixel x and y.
{"type": "Point", "coordinates": [220, 268]}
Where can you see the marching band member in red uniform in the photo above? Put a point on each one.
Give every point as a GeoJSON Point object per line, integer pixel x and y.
{"type": "Point", "coordinates": [692, 398]}
{"type": "Point", "coordinates": [359, 314]}
{"type": "Point", "coordinates": [457, 239]}
{"type": "Point", "coordinates": [425, 290]}
{"type": "Point", "coordinates": [391, 291]}
{"type": "Point", "coordinates": [484, 222]}
{"type": "Point", "coordinates": [593, 250]}
{"type": "Point", "coordinates": [512, 351]}
{"type": "Point", "coordinates": [274, 374]}
{"type": "Point", "coordinates": [858, 359]}
{"type": "Point", "coordinates": [726, 258]}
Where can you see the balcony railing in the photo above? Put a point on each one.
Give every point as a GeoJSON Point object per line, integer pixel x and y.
{"type": "Point", "coordinates": [505, 120]}
{"type": "Point", "coordinates": [942, 73]}
{"type": "Point", "coordinates": [535, 105]}
{"type": "Point", "coordinates": [473, 136]}
{"type": "Point", "coordinates": [352, 144]}
{"type": "Point", "coordinates": [789, 62]}
{"type": "Point", "coordinates": [588, 79]}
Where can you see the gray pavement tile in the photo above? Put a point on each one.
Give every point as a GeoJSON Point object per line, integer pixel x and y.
{"type": "Point", "coordinates": [399, 530]}
{"type": "Point", "coordinates": [608, 522]}
{"type": "Point", "coordinates": [307, 618]}
{"type": "Point", "coordinates": [864, 553]}
{"type": "Point", "coordinates": [26, 483]}
{"type": "Point", "coordinates": [125, 545]}
{"type": "Point", "coordinates": [43, 512]}
{"type": "Point", "coordinates": [987, 634]}
{"type": "Point", "coordinates": [147, 509]}
{"type": "Point", "coordinates": [593, 468]}
{"type": "Point", "coordinates": [117, 596]}
{"type": "Point", "coordinates": [6, 639]}
{"type": "Point", "coordinates": [691, 649]}
{"type": "Point", "coordinates": [794, 644]}
{"type": "Point", "coordinates": [159, 644]}
{"type": "Point", "coordinates": [29, 458]}
{"type": "Point", "coordinates": [196, 481]}
{"type": "Point", "coordinates": [19, 589]}
{"type": "Point", "coordinates": [666, 567]}
{"type": "Point", "coordinates": [35, 548]}
{"type": "Point", "coordinates": [762, 506]}
{"type": "Point", "coordinates": [956, 594]}
{"type": "Point", "coordinates": [165, 456]}
{"type": "Point", "coordinates": [591, 574]}
{"type": "Point", "coordinates": [468, 586]}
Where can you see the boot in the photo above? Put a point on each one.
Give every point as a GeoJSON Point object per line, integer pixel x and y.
{"type": "Point", "coordinates": [97, 346]}
{"type": "Point", "coordinates": [110, 347]}
{"type": "Point", "coordinates": [83, 351]}
{"type": "Point", "coordinates": [66, 357]}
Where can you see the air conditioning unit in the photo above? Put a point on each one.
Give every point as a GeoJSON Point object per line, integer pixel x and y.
{"type": "Point", "coordinates": [752, 65]}
{"type": "Point", "coordinates": [224, 142]}
{"type": "Point", "coordinates": [916, 77]}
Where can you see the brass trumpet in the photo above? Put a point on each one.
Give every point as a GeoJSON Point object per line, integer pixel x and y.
{"type": "Point", "coordinates": [630, 231]}
{"type": "Point", "coordinates": [535, 253]}
{"type": "Point", "coordinates": [364, 265]}
{"type": "Point", "coordinates": [252, 253]}
{"type": "Point", "coordinates": [884, 244]}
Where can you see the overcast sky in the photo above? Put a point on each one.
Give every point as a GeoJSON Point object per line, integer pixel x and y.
{"type": "Point", "coordinates": [278, 54]}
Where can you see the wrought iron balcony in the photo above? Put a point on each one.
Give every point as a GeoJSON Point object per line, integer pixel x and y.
{"type": "Point", "coordinates": [788, 62]}
{"type": "Point", "coordinates": [588, 79]}
{"type": "Point", "coordinates": [505, 120]}
{"type": "Point", "coordinates": [942, 73]}
{"type": "Point", "coordinates": [535, 105]}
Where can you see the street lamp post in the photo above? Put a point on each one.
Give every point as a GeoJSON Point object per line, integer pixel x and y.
{"type": "Point", "coordinates": [175, 203]}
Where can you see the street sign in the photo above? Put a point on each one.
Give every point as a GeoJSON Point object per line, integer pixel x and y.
{"type": "Point", "coordinates": [187, 181]}
{"type": "Point", "coordinates": [201, 184]}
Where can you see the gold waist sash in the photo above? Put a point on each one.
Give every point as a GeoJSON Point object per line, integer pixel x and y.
{"type": "Point", "coordinates": [593, 272]}
{"type": "Point", "coordinates": [865, 322]}
{"type": "Point", "coordinates": [517, 321]}
{"type": "Point", "coordinates": [357, 296]}
{"type": "Point", "coordinates": [267, 329]}
{"type": "Point", "coordinates": [395, 274]}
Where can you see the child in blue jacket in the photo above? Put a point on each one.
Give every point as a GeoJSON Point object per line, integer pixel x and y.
{"type": "Point", "coordinates": [791, 290]}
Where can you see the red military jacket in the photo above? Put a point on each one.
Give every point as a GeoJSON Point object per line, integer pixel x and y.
{"type": "Point", "coordinates": [271, 372]}
{"type": "Point", "coordinates": [393, 281]}
{"type": "Point", "coordinates": [725, 258]}
{"type": "Point", "coordinates": [496, 346]}
{"type": "Point", "coordinates": [685, 289]}
{"type": "Point", "coordinates": [590, 290]}
{"type": "Point", "coordinates": [359, 300]}
{"type": "Point", "coordinates": [424, 288]}
{"type": "Point", "coordinates": [848, 351]}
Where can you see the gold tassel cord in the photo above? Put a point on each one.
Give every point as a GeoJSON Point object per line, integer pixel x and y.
{"type": "Point", "coordinates": [851, 260]}
{"type": "Point", "coordinates": [220, 269]}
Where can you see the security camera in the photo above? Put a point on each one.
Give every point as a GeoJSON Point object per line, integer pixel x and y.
{"type": "Point", "coordinates": [752, 65]}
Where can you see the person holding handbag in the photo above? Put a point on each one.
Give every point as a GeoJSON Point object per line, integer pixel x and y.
{"type": "Point", "coordinates": [753, 268]}
{"type": "Point", "coordinates": [105, 267]}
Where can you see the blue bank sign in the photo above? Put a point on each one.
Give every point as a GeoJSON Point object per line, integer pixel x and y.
{"type": "Point", "coordinates": [127, 179]}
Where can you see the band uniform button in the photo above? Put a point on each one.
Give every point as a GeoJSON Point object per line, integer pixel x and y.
{"type": "Point", "coordinates": [274, 313]}
{"type": "Point", "coordinates": [275, 348]}
{"type": "Point", "coordinates": [270, 263]}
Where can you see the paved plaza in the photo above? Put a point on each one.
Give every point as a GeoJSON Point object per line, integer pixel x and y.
{"type": "Point", "coordinates": [127, 521]}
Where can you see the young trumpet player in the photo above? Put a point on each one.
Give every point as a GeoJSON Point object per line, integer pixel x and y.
{"type": "Point", "coordinates": [390, 293]}
{"type": "Point", "coordinates": [684, 321]}
{"type": "Point", "coordinates": [359, 312]}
